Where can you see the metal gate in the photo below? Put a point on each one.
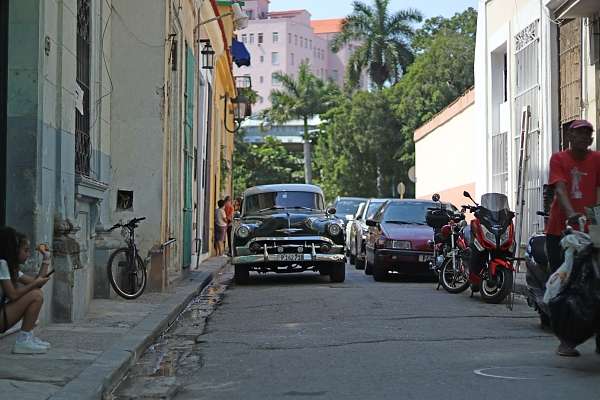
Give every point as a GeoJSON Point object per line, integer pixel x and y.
{"type": "Point", "coordinates": [3, 105]}
{"type": "Point", "coordinates": [188, 157]}
{"type": "Point", "coordinates": [527, 89]}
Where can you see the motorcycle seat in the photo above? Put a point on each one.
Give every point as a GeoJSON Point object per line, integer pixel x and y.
{"type": "Point", "coordinates": [536, 249]}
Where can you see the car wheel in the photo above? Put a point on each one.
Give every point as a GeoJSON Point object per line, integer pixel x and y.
{"type": "Point", "coordinates": [241, 274]}
{"type": "Point", "coordinates": [379, 273]}
{"type": "Point", "coordinates": [337, 273]}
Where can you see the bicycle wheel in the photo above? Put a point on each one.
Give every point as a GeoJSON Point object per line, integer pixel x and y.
{"type": "Point", "coordinates": [126, 273]}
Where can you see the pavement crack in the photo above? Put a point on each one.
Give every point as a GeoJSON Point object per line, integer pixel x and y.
{"type": "Point", "coordinates": [389, 340]}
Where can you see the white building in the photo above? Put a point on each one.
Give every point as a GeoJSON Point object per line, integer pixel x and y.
{"type": "Point", "coordinates": [541, 54]}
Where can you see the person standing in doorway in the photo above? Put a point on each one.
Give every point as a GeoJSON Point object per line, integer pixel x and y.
{"type": "Point", "coordinates": [229, 210]}
{"type": "Point", "coordinates": [220, 228]}
{"type": "Point", "coordinates": [575, 178]}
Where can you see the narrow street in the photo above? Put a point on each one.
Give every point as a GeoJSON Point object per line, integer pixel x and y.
{"type": "Point", "coordinates": [297, 336]}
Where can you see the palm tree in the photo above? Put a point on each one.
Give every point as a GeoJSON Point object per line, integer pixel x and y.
{"type": "Point", "coordinates": [300, 98]}
{"type": "Point", "coordinates": [384, 50]}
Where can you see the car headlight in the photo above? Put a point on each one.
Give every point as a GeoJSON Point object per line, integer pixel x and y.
{"type": "Point", "coordinates": [243, 232]}
{"type": "Point", "coordinates": [398, 244]}
{"type": "Point", "coordinates": [334, 229]}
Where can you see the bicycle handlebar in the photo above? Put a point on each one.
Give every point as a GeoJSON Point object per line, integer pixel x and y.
{"type": "Point", "coordinates": [131, 224]}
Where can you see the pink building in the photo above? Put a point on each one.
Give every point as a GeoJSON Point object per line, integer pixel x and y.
{"type": "Point", "coordinates": [279, 41]}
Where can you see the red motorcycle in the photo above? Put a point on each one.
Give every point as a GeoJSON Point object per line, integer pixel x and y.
{"type": "Point", "coordinates": [492, 248]}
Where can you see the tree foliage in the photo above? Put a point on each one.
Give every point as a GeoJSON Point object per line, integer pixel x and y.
{"type": "Point", "coordinates": [262, 164]}
{"type": "Point", "coordinates": [367, 131]}
{"type": "Point", "coordinates": [384, 38]}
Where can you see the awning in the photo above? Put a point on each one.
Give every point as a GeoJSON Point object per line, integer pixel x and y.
{"type": "Point", "coordinates": [577, 8]}
{"type": "Point", "coordinates": [241, 55]}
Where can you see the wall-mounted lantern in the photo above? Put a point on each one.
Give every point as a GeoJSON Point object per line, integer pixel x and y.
{"type": "Point", "coordinates": [240, 107]}
{"type": "Point", "coordinates": [208, 55]}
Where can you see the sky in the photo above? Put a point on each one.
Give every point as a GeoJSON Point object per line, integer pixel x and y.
{"type": "Point", "coordinates": [321, 9]}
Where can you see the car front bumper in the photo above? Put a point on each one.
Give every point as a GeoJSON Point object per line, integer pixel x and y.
{"type": "Point", "coordinates": [276, 259]}
{"type": "Point", "coordinates": [404, 261]}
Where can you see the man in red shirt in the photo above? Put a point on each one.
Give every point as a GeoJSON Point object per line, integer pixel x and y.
{"type": "Point", "coordinates": [575, 176]}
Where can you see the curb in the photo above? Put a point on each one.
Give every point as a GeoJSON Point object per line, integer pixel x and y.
{"type": "Point", "coordinates": [112, 365]}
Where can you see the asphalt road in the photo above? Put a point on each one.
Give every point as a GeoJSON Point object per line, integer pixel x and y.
{"type": "Point", "coordinates": [299, 336]}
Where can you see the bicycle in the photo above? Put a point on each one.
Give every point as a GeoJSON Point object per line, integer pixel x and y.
{"type": "Point", "coordinates": [126, 269]}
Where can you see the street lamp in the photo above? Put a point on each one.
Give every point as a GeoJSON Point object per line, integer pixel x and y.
{"type": "Point", "coordinates": [208, 55]}
{"type": "Point", "coordinates": [241, 110]}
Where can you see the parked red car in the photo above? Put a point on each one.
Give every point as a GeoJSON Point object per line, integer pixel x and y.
{"type": "Point", "coordinates": [398, 239]}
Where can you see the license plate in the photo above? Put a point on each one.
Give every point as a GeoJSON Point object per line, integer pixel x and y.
{"type": "Point", "coordinates": [424, 258]}
{"type": "Point", "coordinates": [290, 257]}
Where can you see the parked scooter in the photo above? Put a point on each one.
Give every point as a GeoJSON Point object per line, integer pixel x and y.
{"type": "Point", "coordinates": [537, 275]}
{"type": "Point", "coordinates": [450, 248]}
{"type": "Point", "coordinates": [493, 246]}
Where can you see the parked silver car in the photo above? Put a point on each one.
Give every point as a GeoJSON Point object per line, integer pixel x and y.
{"type": "Point", "coordinates": [357, 232]}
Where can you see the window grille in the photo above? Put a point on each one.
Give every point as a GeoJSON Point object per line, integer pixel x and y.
{"type": "Point", "coordinates": [82, 118]}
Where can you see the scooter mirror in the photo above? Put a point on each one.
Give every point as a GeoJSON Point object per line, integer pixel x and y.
{"type": "Point", "coordinates": [467, 194]}
{"type": "Point", "coordinates": [435, 197]}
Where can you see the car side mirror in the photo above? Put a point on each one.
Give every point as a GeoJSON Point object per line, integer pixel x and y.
{"type": "Point", "coordinates": [331, 210]}
{"type": "Point", "coordinates": [371, 222]}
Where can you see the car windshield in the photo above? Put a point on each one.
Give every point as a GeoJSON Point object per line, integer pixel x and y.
{"type": "Point", "coordinates": [263, 202]}
{"type": "Point", "coordinates": [373, 207]}
{"type": "Point", "coordinates": [347, 207]}
{"type": "Point", "coordinates": [406, 213]}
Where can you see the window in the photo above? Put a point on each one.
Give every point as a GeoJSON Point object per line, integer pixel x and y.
{"type": "Point", "coordinates": [296, 40]}
{"type": "Point", "coordinates": [275, 58]}
{"type": "Point", "coordinates": [275, 37]}
{"type": "Point", "coordinates": [250, 14]}
{"type": "Point", "coordinates": [292, 58]}
{"type": "Point", "coordinates": [252, 38]}
{"type": "Point", "coordinates": [334, 74]}
{"type": "Point", "coordinates": [311, 44]}
{"type": "Point", "coordinates": [244, 38]}
{"type": "Point", "coordinates": [289, 38]}
{"type": "Point", "coordinates": [305, 43]}
{"type": "Point", "coordinates": [260, 38]}
{"type": "Point", "coordinates": [261, 79]}
{"type": "Point", "coordinates": [262, 59]}
{"type": "Point", "coordinates": [82, 119]}
{"type": "Point", "coordinates": [274, 80]}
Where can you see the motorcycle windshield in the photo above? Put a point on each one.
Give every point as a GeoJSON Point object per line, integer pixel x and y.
{"type": "Point", "coordinates": [497, 206]}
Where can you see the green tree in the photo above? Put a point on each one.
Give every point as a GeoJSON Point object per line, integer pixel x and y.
{"type": "Point", "coordinates": [262, 164]}
{"type": "Point", "coordinates": [356, 148]}
{"type": "Point", "coordinates": [300, 98]}
{"type": "Point", "coordinates": [442, 72]}
{"type": "Point", "coordinates": [385, 41]}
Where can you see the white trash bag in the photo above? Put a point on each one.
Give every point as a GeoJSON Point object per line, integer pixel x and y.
{"type": "Point", "coordinates": [572, 243]}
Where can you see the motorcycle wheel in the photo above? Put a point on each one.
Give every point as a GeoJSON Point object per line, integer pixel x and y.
{"type": "Point", "coordinates": [494, 293]}
{"type": "Point", "coordinates": [454, 281]}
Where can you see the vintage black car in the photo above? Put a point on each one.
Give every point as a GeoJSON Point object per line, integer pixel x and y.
{"type": "Point", "coordinates": [285, 228]}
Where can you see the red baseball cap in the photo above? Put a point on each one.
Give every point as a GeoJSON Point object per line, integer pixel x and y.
{"type": "Point", "coordinates": [581, 123]}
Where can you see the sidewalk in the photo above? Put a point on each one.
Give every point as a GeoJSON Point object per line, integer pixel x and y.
{"type": "Point", "coordinates": [89, 356]}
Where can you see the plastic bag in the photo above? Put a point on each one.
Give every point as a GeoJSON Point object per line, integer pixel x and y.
{"type": "Point", "coordinates": [575, 312]}
{"type": "Point", "coordinates": [572, 243]}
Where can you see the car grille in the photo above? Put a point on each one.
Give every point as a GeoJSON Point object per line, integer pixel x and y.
{"type": "Point", "coordinates": [290, 246]}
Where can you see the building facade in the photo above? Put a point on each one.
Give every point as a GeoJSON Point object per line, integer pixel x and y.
{"type": "Point", "coordinates": [280, 41]}
{"type": "Point", "coordinates": [448, 138]}
{"type": "Point", "coordinates": [107, 113]}
{"type": "Point", "coordinates": [541, 58]}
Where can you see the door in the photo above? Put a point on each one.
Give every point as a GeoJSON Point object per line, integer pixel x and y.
{"type": "Point", "coordinates": [206, 181]}
{"type": "Point", "coordinates": [188, 155]}
{"type": "Point", "coordinates": [3, 104]}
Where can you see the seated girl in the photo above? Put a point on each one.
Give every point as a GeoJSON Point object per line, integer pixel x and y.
{"type": "Point", "coordinates": [21, 296]}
